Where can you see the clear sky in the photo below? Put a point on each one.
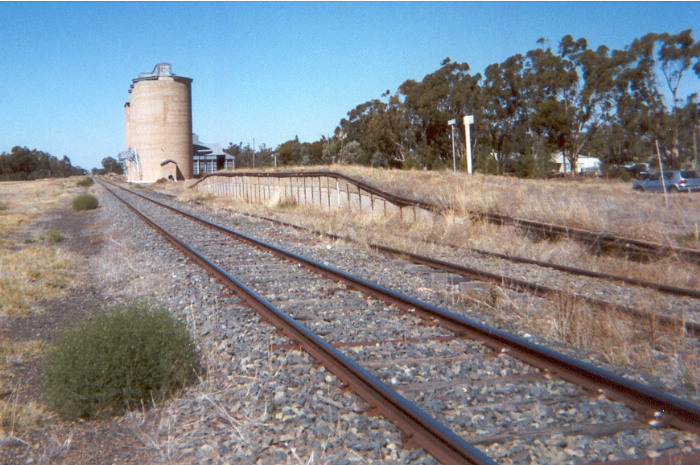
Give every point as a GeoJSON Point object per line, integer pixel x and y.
{"type": "Point", "coordinates": [265, 72]}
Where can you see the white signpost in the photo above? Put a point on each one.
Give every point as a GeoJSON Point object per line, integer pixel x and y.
{"type": "Point", "coordinates": [452, 123]}
{"type": "Point", "coordinates": [468, 120]}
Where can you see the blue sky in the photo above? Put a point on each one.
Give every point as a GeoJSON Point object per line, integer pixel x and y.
{"type": "Point", "coordinates": [266, 72]}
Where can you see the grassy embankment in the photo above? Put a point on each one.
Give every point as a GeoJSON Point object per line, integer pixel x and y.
{"type": "Point", "coordinates": [32, 268]}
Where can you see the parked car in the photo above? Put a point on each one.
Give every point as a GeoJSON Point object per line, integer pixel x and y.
{"type": "Point", "coordinates": [673, 181]}
{"type": "Point", "coordinates": [638, 170]}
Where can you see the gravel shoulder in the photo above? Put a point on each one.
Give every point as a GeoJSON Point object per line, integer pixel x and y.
{"type": "Point", "coordinates": [250, 407]}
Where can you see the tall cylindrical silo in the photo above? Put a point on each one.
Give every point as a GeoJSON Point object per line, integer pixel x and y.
{"type": "Point", "coordinates": [159, 126]}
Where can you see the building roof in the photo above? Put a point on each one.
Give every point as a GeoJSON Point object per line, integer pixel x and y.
{"type": "Point", "coordinates": [559, 158]}
{"type": "Point", "coordinates": [160, 70]}
{"type": "Point", "coordinates": [205, 148]}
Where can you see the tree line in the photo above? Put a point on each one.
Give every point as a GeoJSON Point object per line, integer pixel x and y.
{"type": "Point", "coordinates": [619, 105]}
{"type": "Point", "coordinates": [23, 164]}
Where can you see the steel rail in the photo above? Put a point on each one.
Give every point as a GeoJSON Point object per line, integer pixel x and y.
{"type": "Point", "coordinates": [692, 328]}
{"type": "Point", "coordinates": [656, 407]}
{"type": "Point", "coordinates": [597, 240]}
{"type": "Point", "coordinates": [425, 431]}
{"type": "Point", "coordinates": [665, 288]}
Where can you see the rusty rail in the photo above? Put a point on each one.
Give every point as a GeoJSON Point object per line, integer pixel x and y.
{"type": "Point", "coordinates": [657, 407]}
{"type": "Point", "coordinates": [691, 327]}
{"type": "Point", "coordinates": [419, 427]}
{"type": "Point", "coordinates": [599, 242]}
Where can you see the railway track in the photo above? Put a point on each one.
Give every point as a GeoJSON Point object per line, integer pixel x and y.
{"type": "Point", "coordinates": [520, 285]}
{"type": "Point", "coordinates": [597, 242]}
{"type": "Point", "coordinates": [601, 243]}
{"type": "Point", "coordinates": [471, 370]}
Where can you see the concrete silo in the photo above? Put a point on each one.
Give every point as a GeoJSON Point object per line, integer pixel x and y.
{"type": "Point", "coordinates": [159, 126]}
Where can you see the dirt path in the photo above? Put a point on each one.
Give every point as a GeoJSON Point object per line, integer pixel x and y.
{"type": "Point", "coordinates": [50, 440]}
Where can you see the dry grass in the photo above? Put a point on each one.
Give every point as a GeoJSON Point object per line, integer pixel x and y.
{"type": "Point", "coordinates": [634, 344]}
{"type": "Point", "coordinates": [601, 205]}
{"type": "Point", "coordinates": [17, 418]}
{"type": "Point", "coordinates": [31, 271]}
{"type": "Point", "coordinates": [20, 352]}
{"type": "Point", "coordinates": [26, 200]}
{"type": "Point", "coordinates": [663, 350]}
{"type": "Point", "coordinates": [594, 204]}
{"type": "Point", "coordinates": [32, 274]}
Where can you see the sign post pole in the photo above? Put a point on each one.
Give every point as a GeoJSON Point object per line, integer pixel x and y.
{"type": "Point", "coordinates": [468, 120]}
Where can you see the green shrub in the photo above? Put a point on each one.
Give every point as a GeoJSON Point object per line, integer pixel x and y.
{"type": "Point", "coordinates": [125, 357]}
{"type": "Point", "coordinates": [54, 236]}
{"type": "Point", "coordinates": [85, 202]}
{"type": "Point", "coordinates": [85, 182]}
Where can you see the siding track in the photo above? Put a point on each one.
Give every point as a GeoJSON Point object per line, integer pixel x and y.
{"type": "Point", "coordinates": [480, 386]}
{"type": "Point", "coordinates": [691, 326]}
{"type": "Point", "coordinates": [598, 242]}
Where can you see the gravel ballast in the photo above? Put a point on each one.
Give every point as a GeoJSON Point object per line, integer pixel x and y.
{"type": "Point", "coordinates": [252, 397]}
{"type": "Point", "coordinates": [260, 400]}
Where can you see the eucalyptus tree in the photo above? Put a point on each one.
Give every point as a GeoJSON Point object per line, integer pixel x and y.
{"type": "Point", "coordinates": [25, 164]}
{"type": "Point", "coordinates": [571, 94]}
{"type": "Point", "coordinates": [245, 155]}
{"type": "Point", "coordinates": [547, 80]}
{"type": "Point", "coordinates": [381, 128]}
{"type": "Point", "coordinates": [312, 153]}
{"type": "Point", "coordinates": [642, 105]}
{"type": "Point", "coordinates": [506, 111]}
{"type": "Point", "coordinates": [678, 54]}
{"type": "Point", "coordinates": [290, 152]}
{"type": "Point", "coordinates": [448, 93]}
{"type": "Point", "coordinates": [111, 165]}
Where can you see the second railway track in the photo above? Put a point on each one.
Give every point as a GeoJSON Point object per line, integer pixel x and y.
{"type": "Point", "coordinates": [597, 242]}
{"type": "Point", "coordinates": [678, 311]}
{"type": "Point", "coordinates": [511, 400]}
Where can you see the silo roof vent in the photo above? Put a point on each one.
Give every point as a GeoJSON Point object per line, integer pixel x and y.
{"type": "Point", "coordinates": [161, 69]}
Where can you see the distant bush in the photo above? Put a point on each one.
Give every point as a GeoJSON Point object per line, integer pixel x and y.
{"type": "Point", "coordinates": [85, 182]}
{"type": "Point", "coordinates": [123, 358]}
{"type": "Point", "coordinates": [618, 172]}
{"type": "Point", "coordinates": [55, 236]}
{"type": "Point", "coordinates": [85, 202]}
{"type": "Point", "coordinates": [23, 164]}
{"type": "Point", "coordinates": [287, 203]}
